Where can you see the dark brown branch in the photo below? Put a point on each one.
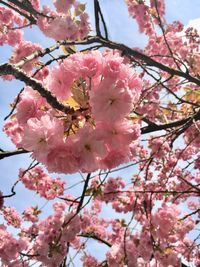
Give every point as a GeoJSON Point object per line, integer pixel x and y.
{"type": "Point", "coordinates": [14, 105]}
{"type": "Point", "coordinates": [148, 60]}
{"type": "Point", "coordinates": [168, 192]}
{"type": "Point", "coordinates": [93, 236]}
{"type": "Point", "coordinates": [36, 54]}
{"type": "Point", "coordinates": [125, 50]}
{"type": "Point", "coordinates": [164, 35]}
{"type": "Point", "coordinates": [155, 127]}
{"type": "Point", "coordinates": [5, 154]}
{"type": "Point", "coordinates": [12, 191]}
{"type": "Point", "coordinates": [30, 18]}
{"type": "Point", "coordinates": [190, 214]}
{"type": "Point", "coordinates": [24, 5]}
{"type": "Point", "coordinates": [83, 193]}
{"type": "Point", "coordinates": [20, 75]}
{"type": "Point", "coordinates": [27, 6]}
{"type": "Point", "coordinates": [96, 14]}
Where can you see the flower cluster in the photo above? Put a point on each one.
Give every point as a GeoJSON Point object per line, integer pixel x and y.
{"type": "Point", "coordinates": [53, 235]}
{"type": "Point", "coordinates": [102, 91]}
{"type": "Point", "coordinates": [22, 50]}
{"type": "Point", "coordinates": [61, 25]}
{"type": "Point", "coordinates": [145, 14]}
{"type": "Point", "coordinates": [36, 179]}
{"type": "Point", "coordinates": [8, 21]}
{"type": "Point", "coordinates": [11, 216]}
{"type": "Point", "coordinates": [10, 248]}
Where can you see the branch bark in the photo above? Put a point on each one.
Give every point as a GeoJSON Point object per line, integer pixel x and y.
{"type": "Point", "coordinates": [6, 154]}
{"type": "Point", "coordinates": [20, 75]}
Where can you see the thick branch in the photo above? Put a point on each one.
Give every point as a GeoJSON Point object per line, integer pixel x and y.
{"type": "Point", "coordinates": [37, 54]}
{"type": "Point", "coordinates": [20, 75]}
{"type": "Point", "coordinates": [155, 127]}
{"type": "Point", "coordinates": [148, 60]}
{"type": "Point", "coordinates": [83, 193]}
{"type": "Point", "coordinates": [25, 5]}
{"type": "Point", "coordinates": [126, 51]}
{"type": "Point", "coordinates": [97, 13]}
{"type": "Point", "coordinates": [30, 18]}
{"type": "Point", "coordinates": [93, 236]}
{"type": "Point", "coordinates": [5, 154]}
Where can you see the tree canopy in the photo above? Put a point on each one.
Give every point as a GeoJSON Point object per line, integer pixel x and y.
{"type": "Point", "coordinates": [90, 107]}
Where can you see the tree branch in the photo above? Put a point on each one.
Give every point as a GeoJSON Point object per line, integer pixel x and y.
{"type": "Point", "coordinates": [30, 18]}
{"type": "Point", "coordinates": [97, 12]}
{"type": "Point", "coordinates": [5, 154]}
{"type": "Point", "coordinates": [124, 49]}
{"type": "Point", "coordinates": [83, 193]}
{"type": "Point", "coordinates": [93, 236]}
{"type": "Point", "coordinates": [27, 6]}
{"type": "Point", "coordinates": [20, 75]}
{"type": "Point", "coordinates": [155, 127]}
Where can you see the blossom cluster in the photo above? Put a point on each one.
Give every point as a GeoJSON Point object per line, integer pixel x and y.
{"type": "Point", "coordinates": [102, 91]}
{"type": "Point", "coordinates": [85, 113]}
{"type": "Point", "coordinates": [52, 235]}
{"type": "Point", "coordinates": [9, 19]}
{"type": "Point", "coordinates": [36, 179]}
{"type": "Point", "coordinates": [61, 25]}
{"type": "Point", "coordinates": [146, 14]}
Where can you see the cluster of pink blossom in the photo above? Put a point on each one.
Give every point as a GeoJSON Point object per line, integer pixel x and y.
{"type": "Point", "coordinates": [192, 135]}
{"type": "Point", "coordinates": [22, 50]}
{"type": "Point", "coordinates": [61, 25]}
{"type": "Point", "coordinates": [9, 19]}
{"type": "Point", "coordinates": [31, 214]}
{"type": "Point", "coordinates": [140, 11]}
{"type": "Point", "coordinates": [10, 248]}
{"type": "Point", "coordinates": [36, 179]}
{"type": "Point", "coordinates": [145, 14]}
{"type": "Point", "coordinates": [52, 235]}
{"type": "Point", "coordinates": [89, 260]}
{"type": "Point", "coordinates": [159, 146]}
{"type": "Point", "coordinates": [107, 106]}
{"type": "Point", "coordinates": [100, 134]}
{"type": "Point", "coordinates": [11, 216]}
{"type": "Point", "coordinates": [162, 239]}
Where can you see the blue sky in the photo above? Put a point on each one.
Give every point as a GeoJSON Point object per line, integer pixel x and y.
{"type": "Point", "coordinates": [123, 29]}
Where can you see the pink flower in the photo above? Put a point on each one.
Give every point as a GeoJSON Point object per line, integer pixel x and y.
{"type": "Point", "coordinates": [89, 64]}
{"type": "Point", "coordinates": [31, 214]}
{"type": "Point", "coordinates": [119, 134]}
{"type": "Point", "coordinates": [40, 135]}
{"type": "Point", "coordinates": [62, 160]}
{"type": "Point", "coordinates": [60, 80]}
{"type": "Point", "coordinates": [36, 179]}
{"type": "Point", "coordinates": [14, 37]}
{"type": "Point", "coordinates": [88, 148]}
{"type": "Point", "coordinates": [62, 6]}
{"type": "Point", "coordinates": [115, 157]}
{"type": "Point", "coordinates": [11, 216]}
{"type": "Point", "coordinates": [110, 101]}
{"type": "Point", "coordinates": [29, 105]}
{"type": "Point", "coordinates": [112, 66]}
{"type": "Point", "coordinates": [24, 49]}
{"type": "Point", "coordinates": [89, 261]}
